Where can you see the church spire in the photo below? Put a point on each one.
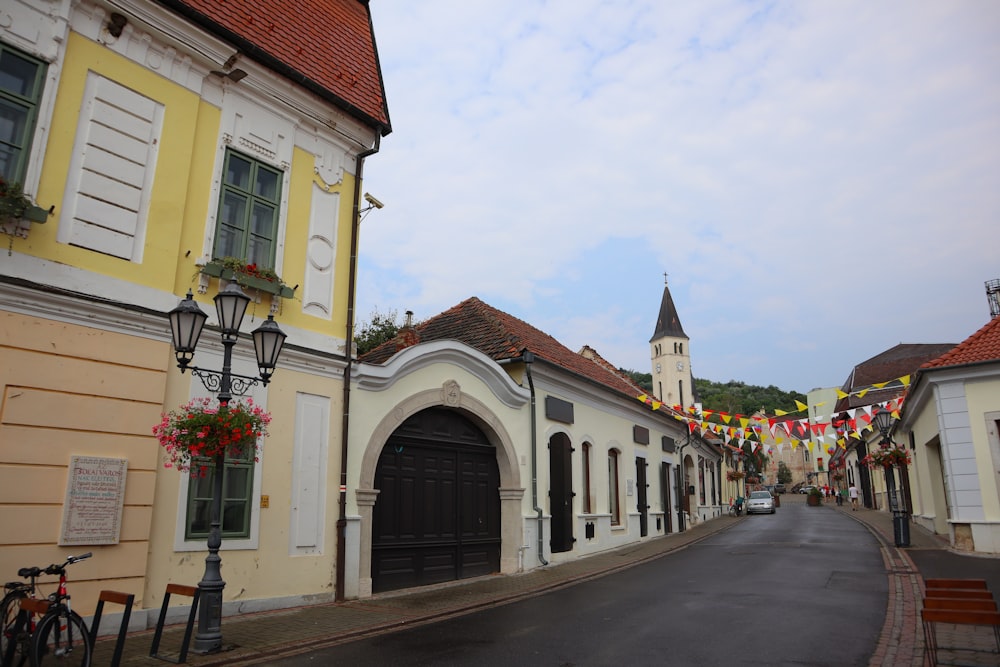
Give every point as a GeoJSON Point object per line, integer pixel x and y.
{"type": "Point", "coordinates": [668, 323]}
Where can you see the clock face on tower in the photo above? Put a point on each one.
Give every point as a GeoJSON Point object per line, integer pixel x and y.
{"type": "Point", "coordinates": [658, 368]}
{"type": "Point", "coordinates": [680, 365]}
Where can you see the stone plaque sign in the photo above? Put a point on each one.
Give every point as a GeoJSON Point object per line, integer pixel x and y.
{"type": "Point", "coordinates": [95, 496]}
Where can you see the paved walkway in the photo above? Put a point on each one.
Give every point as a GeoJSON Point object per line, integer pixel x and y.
{"type": "Point", "coordinates": [254, 639]}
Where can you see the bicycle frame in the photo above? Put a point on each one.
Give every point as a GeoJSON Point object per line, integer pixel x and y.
{"type": "Point", "coordinates": [33, 610]}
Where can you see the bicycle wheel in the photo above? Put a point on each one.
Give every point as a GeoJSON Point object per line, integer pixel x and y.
{"type": "Point", "coordinates": [10, 634]}
{"type": "Point", "coordinates": [61, 636]}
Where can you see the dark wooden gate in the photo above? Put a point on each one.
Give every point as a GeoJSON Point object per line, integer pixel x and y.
{"type": "Point", "coordinates": [437, 516]}
{"type": "Point", "coordinates": [561, 492]}
{"type": "Point", "coordinates": [641, 496]}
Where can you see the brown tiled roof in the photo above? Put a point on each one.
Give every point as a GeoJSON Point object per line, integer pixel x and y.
{"type": "Point", "coordinates": [982, 346]}
{"type": "Point", "coordinates": [501, 336]}
{"type": "Point", "coordinates": [326, 46]}
{"type": "Point", "coordinates": [896, 362]}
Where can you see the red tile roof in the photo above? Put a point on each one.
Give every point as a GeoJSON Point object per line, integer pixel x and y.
{"type": "Point", "coordinates": [982, 346]}
{"type": "Point", "coordinates": [896, 362]}
{"type": "Point", "coordinates": [326, 46]}
{"type": "Point", "coordinates": [502, 336]}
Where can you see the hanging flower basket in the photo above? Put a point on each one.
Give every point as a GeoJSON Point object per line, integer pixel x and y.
{"type": "Point", "coordinates": [249, 276]}
{"type": "Point", "coordinates": [734, 475]}
{"type": "Point", "coordinates": [886, 457]}
{"type": "Point", "coordinates": [202, 428]}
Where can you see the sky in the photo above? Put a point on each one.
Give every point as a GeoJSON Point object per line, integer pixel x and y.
{"type": "Point", "coordinates": [820, 181]}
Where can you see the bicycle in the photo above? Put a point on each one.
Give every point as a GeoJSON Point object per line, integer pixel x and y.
{"type": "Point", "coordinates": [736, 508]}
{"type": "Point", "coordinates": [10, 634]}
{"type": "Point", "coordinates": [60, 634]}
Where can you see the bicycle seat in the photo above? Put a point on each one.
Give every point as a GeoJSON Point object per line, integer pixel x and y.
{"type": "Point", "coordinates": [29, 572]}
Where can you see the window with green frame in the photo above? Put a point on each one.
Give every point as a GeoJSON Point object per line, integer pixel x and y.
{"type": "Point", "coordinates": [237, 494]}
{"type": "Point", "coordinates": [247, 224]}
{"type": "Point", "coordinates": [21, 80]}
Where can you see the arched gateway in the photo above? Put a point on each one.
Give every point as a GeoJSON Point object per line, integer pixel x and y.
{"type": "Point", "coordinates": [437, 516]}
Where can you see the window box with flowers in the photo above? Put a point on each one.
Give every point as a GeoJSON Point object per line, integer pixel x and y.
{"type": "Point", "coordinates": [249, 276]}
{"type": "Point", "coordinates": [17, 208]}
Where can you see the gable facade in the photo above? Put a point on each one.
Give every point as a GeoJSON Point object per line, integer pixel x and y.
{"type": "Point", "coordinates": [951, 421]}
{"type": "Point", "coordinates": [158, 140]}
{"type": "Point", "coordinates": [582, 465]}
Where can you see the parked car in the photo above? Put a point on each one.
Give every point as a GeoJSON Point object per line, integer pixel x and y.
{"type": "Point", "coordinates": [779, 488]}
{"type": "Point", "coordinates": [806, 489]}
{"type": "Point", "coordinates": [760, 502]}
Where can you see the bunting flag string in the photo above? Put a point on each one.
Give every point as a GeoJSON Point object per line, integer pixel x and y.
{"type": "Point", "coordinates": [751, 429]}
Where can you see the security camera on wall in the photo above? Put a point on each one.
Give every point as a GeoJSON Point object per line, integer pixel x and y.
{"type": "Point", "coordinates": [374, 202]}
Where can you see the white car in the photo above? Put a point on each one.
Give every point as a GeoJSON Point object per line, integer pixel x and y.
{"type": "Point", "coordinates": [760, 502]}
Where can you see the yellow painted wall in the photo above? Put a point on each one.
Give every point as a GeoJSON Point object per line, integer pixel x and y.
{"type": "Point", "coordinates": [73, 391]}
{"type": "Point", "coordinates": [269, 571]}
{"type": "Point", "coordinates": [181, 197]}
{"type": "Point", "coordinates": [170, 187]}
{"type": "Point", "coordinates": [982, 399]}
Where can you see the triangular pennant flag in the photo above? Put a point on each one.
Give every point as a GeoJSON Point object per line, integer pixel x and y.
{"type": "Point", "coordinates": [801, 406]}
{"type": "Point", "coordinates": [905, 380]}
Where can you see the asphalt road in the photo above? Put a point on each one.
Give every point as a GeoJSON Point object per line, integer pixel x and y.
{"type": "Point", "coordinates": [800, 587]}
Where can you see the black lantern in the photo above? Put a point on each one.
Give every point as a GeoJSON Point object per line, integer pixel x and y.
{"type": "Point", "coordinates": [186, 323]}
{"type": "Point", "coordinates": [884, 422]}
{"type": "Point", "coordinates": [231, 305]}
{"type": "Point", "coordinates": [268, 340]}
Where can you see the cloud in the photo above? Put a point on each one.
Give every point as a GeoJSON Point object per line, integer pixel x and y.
{"type": "Point", "coordinates": [818, 179]}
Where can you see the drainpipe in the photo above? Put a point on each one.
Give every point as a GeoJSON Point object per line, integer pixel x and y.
{"type": "Point", "coordinates": [528, 357]}
{"type": "Point", "coordinates": [359, 166]}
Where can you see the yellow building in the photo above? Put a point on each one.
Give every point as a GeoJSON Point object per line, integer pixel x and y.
{"type": "Point", "coordinates": [154, 138]}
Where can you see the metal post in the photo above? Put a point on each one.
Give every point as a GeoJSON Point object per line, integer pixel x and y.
{"type": "Point", "coordinates": [209, 637]}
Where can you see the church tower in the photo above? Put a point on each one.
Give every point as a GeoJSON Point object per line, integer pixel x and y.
{"type": "Point", "coordinates": [673, 383]}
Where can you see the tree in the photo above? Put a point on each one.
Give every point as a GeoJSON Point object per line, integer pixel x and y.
{"type": "Point", "coordinates": [380, 328]}
{"type": "Point", "coordinates": [784, 474]}
{"type": "Point", "coordinates": [644, 380]}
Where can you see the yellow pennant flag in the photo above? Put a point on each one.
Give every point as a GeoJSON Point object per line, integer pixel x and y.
{"type": "Point", "coordinates": [862, 393]}
{"type": "Point", "coordinates": [801, 406]}
{"type": "Point", "coordinates": [842, 394]}
{"type": "Point", "coordinates": [656, 405]}
{"type": "Point", "coordinates": [880, 385]}
{"type": "Point", "coordinates": [905, 380]}
{"type": "Point", "coordinates": [780, 413]}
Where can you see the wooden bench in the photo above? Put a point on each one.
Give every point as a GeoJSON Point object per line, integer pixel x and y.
{"type": "Point", "coordinates": [975, 584]}
{"type": "Point", "coordinates": [956, 617]}
{"type": "Point", "coordinates": [959, 604]}
{"type": "Point", "coordinates": [958, 593]}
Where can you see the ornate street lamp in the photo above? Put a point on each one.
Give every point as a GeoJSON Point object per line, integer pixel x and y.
{"type": "Point", "coordinates": [885, 422]}
{"type": "Point", "coordinates": [186, 323]}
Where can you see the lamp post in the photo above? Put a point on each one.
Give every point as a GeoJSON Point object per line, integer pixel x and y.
{"type": "Point", "coordinates": [186, 323]}
{"type": "Point", "coordinates": [884, 421]}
